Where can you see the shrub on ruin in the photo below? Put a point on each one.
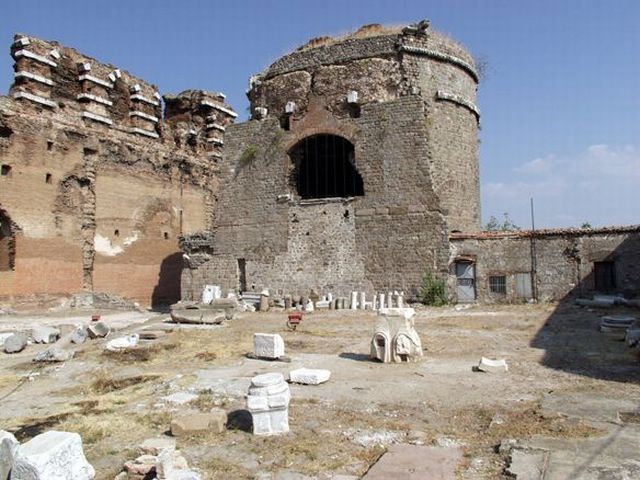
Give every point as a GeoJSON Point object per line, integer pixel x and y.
{"type": "Point", "coordinates": [433, 291]}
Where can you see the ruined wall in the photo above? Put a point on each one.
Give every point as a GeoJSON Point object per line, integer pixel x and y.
{"type": "Point", "coordinates": [564, 261]}
{"type": "Point", "coordinates": [97, 183]}
{"type": "Point", "coordinates": [367, 91]}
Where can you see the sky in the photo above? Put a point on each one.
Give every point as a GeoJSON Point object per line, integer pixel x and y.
{"type": "Point", "coordinates": [560, 101]}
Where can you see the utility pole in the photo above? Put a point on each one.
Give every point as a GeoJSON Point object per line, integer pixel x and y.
{"type": "Point", "coordinates": [534, 262]}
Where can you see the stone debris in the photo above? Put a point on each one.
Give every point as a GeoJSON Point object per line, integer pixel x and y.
{"type": "Point", "coordinates": [490, 365]}
{"type": "Point", "coordinates": [159, 461]}
{"type": "Point", "coordinates": [98, 330]}
{"type": "Point", "coordinates": [197, 422]}
{"type": "Point", "coordinates": [153, 446]}
{"type": "Point", "coordinates": [395, 338]}
{"type": "Point", "coordinates": [209, 293]}
{"type": "Point", "coordinates": [151, 334]}
{"type": "Point", "coordinates": [54, 354]}
{"type": "Point", "coordinates": [180, 398]}
{"type": "Point", "coordinates": [309, 376]}
{"type": "Point", "coordinates": [3, 337]}
{"type": "Point", "coordinates": [264, 300]}
{"type": "Point", "coordinates": [613, 323]}
{"type": "Point", "coordinates": [79, 335]}
{"type": "Point", "coordinates": [123, 343]}
{"type": "Point", "coordinates": [632, 337]}
{"type": "Point", "coordinates": [52, 455]}
{"type": "Point", "coordinates": [219, 310]}
{"type": "Point", "coordinates": [15, 343]}
{"type": "Point", "coordinates": [268, 401]}
{"type": "Point", "coordinates": [44, 334]}
{"type": "Point", "coordinates": [8, 451]}
{"type": "Point", "coordinates": [268, 345]}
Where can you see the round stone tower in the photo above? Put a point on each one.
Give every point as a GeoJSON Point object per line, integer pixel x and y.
{"type": "Point", "coordinates": [359, 159]}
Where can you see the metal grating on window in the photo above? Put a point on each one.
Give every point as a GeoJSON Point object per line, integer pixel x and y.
{"type": "Point", "coordinates": [498, 284]}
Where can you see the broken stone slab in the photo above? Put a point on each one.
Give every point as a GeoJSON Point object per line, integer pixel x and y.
{"type": "Point", "coordinates": [416, 462]}
{"type": "Point", "coordinates": [98, 330]}
{"type": "Point", "coordinates": [197, 316]}
{"type": "Point", "coordinates": [123, 343]}
{"type": "Point", "coordinates": [44, 334]}
{"type": "Point", "coordinates": [52, 455]}
{"type": "Point", "coordinates": [79, 335]}
{"type": "Point", "coordinates": [491, 365]}
{"type": "Point", "coordinates": [169, 465]}
{"type": "Point", "coordinates": [309, 376]}
{"type": "Point", "coordinates": [194, 423]}
{"type": "Point", "coordinates": [153, 446]}
{"type": "Point", "coordinates": [8, 451]}
{"type": "Point", "coordinates": [268, 345]}
{"type": "Point", "coordinates": [527, 464]}
{"type": "Point", "coordinates": [15, 343]}
{"type": "Point", "coordinates": [54, 354]}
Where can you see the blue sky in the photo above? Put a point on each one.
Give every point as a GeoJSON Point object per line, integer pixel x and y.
{"type": "Point", "coordinates": [560, 103]}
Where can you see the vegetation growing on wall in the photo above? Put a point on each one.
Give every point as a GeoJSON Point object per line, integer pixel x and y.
{"type": "Point", "coordinates": [433, 291]}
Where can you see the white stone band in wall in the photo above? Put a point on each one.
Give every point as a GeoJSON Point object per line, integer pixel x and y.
{"type": "Point", "coordinates": [97, 118]}
{"type": "Point", "coordinates": [34, 56]}
{"type": "Point", "coordinates": [231, 113]}
{"type": "Point", "coordinates": [94, 98]}
{"type": "Point", "coordinates": [34, 98]}
{"type": "Point", "coordinates": [445, 57]}
{"type": "Point", "coordinates": [144, 99]}
{"type": "Point", "coordinates": [452, 97]}
{"type": "Point", "coordinates": [144, 132]}
{"type": "Point", "coordinates": [96, 80]}
{"type": "Point", "coordinates": [145, 116]}
{"type": "Point", "coordinates": [34, 77]}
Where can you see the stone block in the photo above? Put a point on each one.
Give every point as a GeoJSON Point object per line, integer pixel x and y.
{"type": "Point", "coordinates": [123, 343]}
{"type": "Point", "coordinates": [15, 343]}
{"type": "Point", "coordinates": [169, 465]}
{"type": "Point", "coordinates": [79, 335]}
{"type": "Point", "coordinates": [8, 451]}
{"type": "Point", "coordinates": [268, 345]}
{"type": "Point", "coordinates": [491, 365]}
{"type": "Point", "coordinates": [3, 337]}
{"type": "Point", "coordinates": [98, 330]}
{"type": "Point", "coordinates": [309, 376]}
{"type": "Point", "coordinates": [53, 354]}
{"type": "Point", "coordinates": [52, 455]}
{"type": "Point", "coordinates": [44, 334]}
{"type": "Point", "coordinates": [193, 423]}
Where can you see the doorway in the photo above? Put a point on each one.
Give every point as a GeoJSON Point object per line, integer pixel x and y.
{"type": "Point", "coordinates": [465, 281]}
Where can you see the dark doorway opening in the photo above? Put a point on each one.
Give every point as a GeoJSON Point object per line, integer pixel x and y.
{"type": "Point", "coordinates": [324, 167]}
{"type": "Point", "coordinates": [242, 275]}
{"type": "Point", "coordinates": [604, 276]}
{"type": "Point", "coordinates": [7, 243]}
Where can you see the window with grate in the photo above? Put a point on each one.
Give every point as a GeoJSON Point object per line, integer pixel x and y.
{"type": "Point", "coordinates": [324, 167]}
{"type": "Point", "coordinates": [498, 284]}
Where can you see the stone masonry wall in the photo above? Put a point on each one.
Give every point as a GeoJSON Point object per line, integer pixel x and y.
{"type": "Point", "coordinates": [413, 126]}
{"type": "Point", "coordinates": [564, 261]}
{"type": "Point", "coordinates": [99, 185]}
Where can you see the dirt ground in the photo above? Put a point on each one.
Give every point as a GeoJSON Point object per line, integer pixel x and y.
{"type": "Point", "coordinates": [343, 426]}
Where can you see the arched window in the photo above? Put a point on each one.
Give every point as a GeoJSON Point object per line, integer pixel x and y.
{"type": "Point", "coordinates": [324, 168]}
{"type": "Point", "coordinates": [7, 242]}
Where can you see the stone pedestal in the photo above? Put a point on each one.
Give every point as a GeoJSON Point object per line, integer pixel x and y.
{"type": "Point", "coordinates": [395, 338]}
{"type": "Point", "coordinates": [268, 402]}
{"type": "Point", "coordinates": [268, 345]}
